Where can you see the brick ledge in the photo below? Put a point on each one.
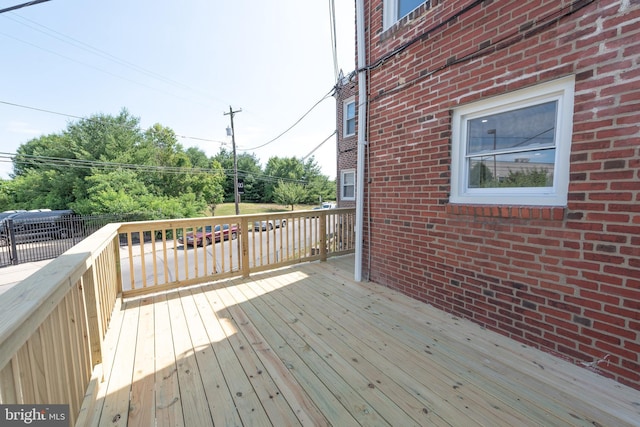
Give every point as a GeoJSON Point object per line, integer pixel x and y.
{"type": "Point", "coordinates": [549, 213]}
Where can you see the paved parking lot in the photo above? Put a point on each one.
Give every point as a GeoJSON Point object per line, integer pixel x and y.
{"type": "Point", "coordinates": [13, 274]}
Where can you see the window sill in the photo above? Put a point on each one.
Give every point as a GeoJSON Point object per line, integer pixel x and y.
{"type": "Point", "coordinates": [546, 213]}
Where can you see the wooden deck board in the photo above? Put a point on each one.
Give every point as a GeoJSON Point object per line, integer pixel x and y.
{"type": "Point", "coordinates": [205, 335]}
{"type": "Point", "coordinates": [478, 395]}
{"type": "Point", "coordinates": [337, 345]}
{"type": "Point", "coordinates": [142, 401]}
{"type": "Point", "coordinates": [306, 345]}
{"type": "Point", "coordinates": [516, 367]}
{"type": "Point", "coordinates": [192, 394]}
{"type": "Point", "coordinates": [441, 381]}
{"type": "Point", "coordinates": [167, 390]}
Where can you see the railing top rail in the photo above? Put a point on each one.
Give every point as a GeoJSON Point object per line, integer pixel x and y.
{"type": "Point", "coordinates": [23, 308]}
{"type": "Point", "coordinates": [295, 214]}
{"type": "Point", "coordinates": [189, 222]}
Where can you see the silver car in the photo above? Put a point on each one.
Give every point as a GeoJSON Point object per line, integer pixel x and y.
{"type": "Point", "coordinates": [269, 225]}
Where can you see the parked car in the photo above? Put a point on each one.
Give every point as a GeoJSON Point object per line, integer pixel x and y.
{"type": "Point", "coordinates": [201, 238]}
{"type": "Point", "coordinates": [326, 205]}
{"type": "Point", "coordinates": [270, 224]}
{"type": "Point", "coordinates": [37, 226]}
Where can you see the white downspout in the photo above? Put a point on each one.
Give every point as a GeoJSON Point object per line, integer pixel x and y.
{"type": "Point", "coordinates": [362, 132]}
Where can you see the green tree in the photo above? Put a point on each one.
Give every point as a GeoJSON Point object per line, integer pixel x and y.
{"type": "Point", "coordinates": [287, 169]}
{"type": "Point", "coordinates": [318, 186]}
{"type": "Point", "coordinates": [480, 175]}
{"type": "Point", "coordinates": [308, 174]}
{"type": "Point", "coordinates": [528, 178]}
{"type": "Point", "coordinates": [208, 186]}
{"type": "Point", "coordinates": [46, 180]}
{"type": "Point", "coordinates": [289, 193]}
{"type": "Point", "coordinates": [225, 158]}
{"type": "Point", "coordinates": [118, 191]}
{"type": "Point", "coordinates": [6, 197]}
{"type": "Point", "coordinates": [248, 169]}
{"type": "Point", "coordinates": [105, 138]}
{"type": "Point", "coordinates": [107, 164]}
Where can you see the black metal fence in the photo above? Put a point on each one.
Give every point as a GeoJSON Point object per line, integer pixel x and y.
{"type": "Point", "coordinates": [36, 239]}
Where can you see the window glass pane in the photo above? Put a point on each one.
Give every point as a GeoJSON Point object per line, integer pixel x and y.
{"type": "Point", "coordinates": [522, 129]}
{"type": "Point", "coordinates": [348, 192]}
{"type": "Point", "coordinates": [351, 127]}
{"type": "Point", "coordinates": [351, 110]}
{"type": "Point", "coordinates": [348, 178]}
{"type": "Point", "coordinates": [406, 6]}
{"type": "Point", "coordinates": [350, 119]}
{"type": "Point", "coordinates": [524, 169]}
{"type": "Point", "coordinates": [348, 185]}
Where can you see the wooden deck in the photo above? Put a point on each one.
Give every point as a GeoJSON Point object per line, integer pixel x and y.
{"type": "Point", "coordinates": [306, 345]}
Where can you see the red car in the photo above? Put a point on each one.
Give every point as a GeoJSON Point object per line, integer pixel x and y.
{"type": "Point", "coordinates": [206, 238]}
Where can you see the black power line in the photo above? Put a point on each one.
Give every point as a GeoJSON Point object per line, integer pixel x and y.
{"type": "Point", "coordinates": [20, 6]}
{"type": "Point", "coordinates": [293, 125]}
{"type": "Point", "coordinates": [52, 162]}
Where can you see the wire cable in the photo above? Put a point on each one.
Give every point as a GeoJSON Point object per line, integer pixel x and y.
{"type": "Point", "coordinates": [334, 40]}
{"type": "Point", "coordinates": [52, 162]}
{"type": "Point", "coordinates": [100, 69]}
{"type": "Point", "coordinates": [292, 126]}
{"type": "Point", "coordinates": [101, 53]}
{"type": "Point", "coordinates": [12, 104]}
{"type": "Point", "coordinates": [20, 6]}
{"type": "Point", "coordinates": [319, 145]}
{"type": "Point", "coordinates": [495, 45]}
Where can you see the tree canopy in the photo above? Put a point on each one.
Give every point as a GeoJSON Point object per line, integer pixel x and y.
{"type": "Point", "coordinates": [108, 164]}
{"type": "Point", "coordinates": [289, 193]}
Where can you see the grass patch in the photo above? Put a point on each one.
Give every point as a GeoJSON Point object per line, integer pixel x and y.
{"type": "Point", "coordinates": [226, 209]}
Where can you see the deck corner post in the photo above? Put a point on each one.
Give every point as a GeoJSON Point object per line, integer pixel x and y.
{"type": "Point", "coordinates": [116, 254]}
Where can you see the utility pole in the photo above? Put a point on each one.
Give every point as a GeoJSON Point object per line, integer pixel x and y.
{"type": "Point", "coordinates": [236, 197]}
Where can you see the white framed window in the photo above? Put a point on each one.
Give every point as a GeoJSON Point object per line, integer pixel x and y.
{"type": "Point", "coordinates": [395, 10]}
{"type": "Point", "coordinates": [514, 149]}
{"type": "Point", "coordinates": [348, 184]}
{"type": "Point", "coordinates": [349, 117]}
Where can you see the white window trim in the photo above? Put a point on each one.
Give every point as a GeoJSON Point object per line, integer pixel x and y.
{"type": "Point", "coordinates": [561, 90]}
{"type": "Point", "coordinates": [390, 13]}
{"type": "Point", "coordinates": [351, 100]}
{"type": "Point", "coordinates": [342, 173]}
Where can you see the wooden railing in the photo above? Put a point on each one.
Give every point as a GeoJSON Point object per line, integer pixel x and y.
{"type": "Point", "coordinates": [245, 244]}
{"type": "Point", "coordinates": [53, 324]}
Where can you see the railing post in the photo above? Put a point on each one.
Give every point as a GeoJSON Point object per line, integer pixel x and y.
{"type": "Point", "coordinates": [92, 312]}
{"type": "Point", "coordinates": [116, 255]}
{"type": "Point", "coordinates": [12, 240]}
{"type": "Point", "coordinates": [323, 236]}
{"type": "Point", "coordinates": [244, 243]}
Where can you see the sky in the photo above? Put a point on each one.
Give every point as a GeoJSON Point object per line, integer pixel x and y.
{"type": "Point", "coordinates": [180, 64]}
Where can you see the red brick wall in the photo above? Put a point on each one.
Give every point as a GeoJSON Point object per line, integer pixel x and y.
{"type": "Point", "coordinates": [566, 280]}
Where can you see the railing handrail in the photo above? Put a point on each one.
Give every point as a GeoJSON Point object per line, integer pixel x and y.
{"type": "Point", "coordinates": [24, 307]}
{"type": "Point", "coordinates": [225, 219]}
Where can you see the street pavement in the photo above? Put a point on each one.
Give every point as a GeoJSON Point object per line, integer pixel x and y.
{"type": "Point", "coordinates": [14, 274]}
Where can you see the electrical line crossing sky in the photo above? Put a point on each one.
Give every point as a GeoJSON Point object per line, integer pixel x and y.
{"type": "Point", "coordinates": [180, 64]}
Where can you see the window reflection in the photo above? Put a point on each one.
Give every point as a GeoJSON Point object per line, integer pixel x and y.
{"type": "Point", "coordinates": [514, 148]}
